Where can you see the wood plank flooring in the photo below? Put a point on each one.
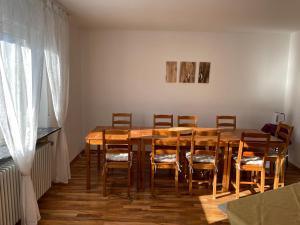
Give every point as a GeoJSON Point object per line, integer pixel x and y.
{"type": "Point", "coordinates": [72, 204]}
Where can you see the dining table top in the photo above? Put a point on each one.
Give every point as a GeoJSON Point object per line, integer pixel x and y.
{"type": "Point", "coordinates": [226, 135]}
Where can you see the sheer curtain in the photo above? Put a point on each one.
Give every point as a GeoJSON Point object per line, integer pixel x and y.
{"type": "Point", "coordinates": [21, 70]}
{"type": "Point", "coordinates": [33, 37]}
{"type": "Point", "coordinates": [57, 64]}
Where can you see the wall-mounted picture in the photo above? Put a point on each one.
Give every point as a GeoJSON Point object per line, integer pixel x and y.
{"type": "Point", "coordinates": [204, 69]}
{"type": "Point", "coordinates": [187, 72]}
{"type": "Point", "coordinates": [171, 72]}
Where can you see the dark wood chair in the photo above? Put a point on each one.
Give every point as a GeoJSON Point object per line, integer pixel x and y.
{"type": "Point", "coordinates": [165, 154]}
{"type": "Point", "coordinates": [204, 156]}
{"type": "Point", "coordinates": [162, 121]}
{"type": "Point", "coordinates": [226, 122]}
{"type": "Point", "coordinates": [252, 155]}
{"type": "Point", "coordinates": [122, 120]}
{"type": "Point", "coordinates": [278, 156]}
{"type": "Point", "coordinates": [187, 121]}
{"type": "Point", "coordinates": [117, 154]}
{"type": "Point", "coordinates": [119, 121]}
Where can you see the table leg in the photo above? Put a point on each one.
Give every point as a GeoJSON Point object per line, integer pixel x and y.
{"type": "Point", "coordinates": [98, 156]}
{"type": "Point", "coordinates": [142, 165]}
{"type": "Point", "coordinates": [228, 168]}
{"type": "Point", "coordinates": [88, 165]}
{"type": "Point", "coordinates": [138, 175]}
{"type": "Point", "coordinates": [224, 181]}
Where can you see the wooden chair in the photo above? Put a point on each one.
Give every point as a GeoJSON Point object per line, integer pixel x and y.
{"type": "Point", "coordinates": [204, 156]}
{"type": "Point", "coordinates": [162, 121]}
{"type": "Point", "coordinates": [118, 154]}
{"type": "Point", "coordinates": [187, 121]}
{"type": "Point", "coordinates": [165, 154]}
{"type": "Point", "coordinates": [226, 122]}
{"type": "Point", "coordinates": [278, 156]}
{"type": "Point", "coordinates": [122, 120]}
{"type": "Point", "coordinates": [119, 120]}
{"type": "Point", "coordinates": [252, 154]}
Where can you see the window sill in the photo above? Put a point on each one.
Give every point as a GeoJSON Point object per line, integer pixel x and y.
{"type": "Point", "coordinates": [42, 133]}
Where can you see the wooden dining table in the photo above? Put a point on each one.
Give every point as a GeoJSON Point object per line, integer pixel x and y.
{"type": "Point", "coordinates": [142, 136]}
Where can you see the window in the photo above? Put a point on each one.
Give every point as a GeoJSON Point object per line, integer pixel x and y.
{"type": "Point", "coordinates": [46, 113]}
{"type": "Point", "coordinates": [11, 56]}
{"type": "Point", "coordinates": [44, 106]}
{"type": "Point", "coordinates": [11, 62]}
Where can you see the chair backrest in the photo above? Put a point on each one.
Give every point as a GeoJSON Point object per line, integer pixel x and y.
{"type": "Point", "coordinates": [284, 132]}
{"type": "Point", "coordinates": [122, 120]}
{"type": "Point", "coordinates": [165, 142]}
{"type": "Point", "coordinates": [226, 122]}
{"type": "Point", "coordinates": [116, 141]}
{"type": "Point", "coordinates": [187, 121]}
{"type": "Point", "coordinates": [253, 144]}
{"type": "Point", "coordinates": [162, 121]}
{"type": "Point", "coordinates": [205, 142]}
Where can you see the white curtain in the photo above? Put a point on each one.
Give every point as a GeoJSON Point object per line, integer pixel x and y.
{"type": "Point", "coordinates": [33, 35]}
{"type": "Point", "coordinates": [57, 64]}
{"type": "Point", "coordinates": [21, 70]}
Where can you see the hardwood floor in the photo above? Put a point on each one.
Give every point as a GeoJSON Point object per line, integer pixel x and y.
{"type": "Point", "coordinates": [73, 204]}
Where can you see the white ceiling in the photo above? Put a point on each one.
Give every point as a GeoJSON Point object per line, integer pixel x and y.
{"type": "Point", "coordinates": [190, 15]}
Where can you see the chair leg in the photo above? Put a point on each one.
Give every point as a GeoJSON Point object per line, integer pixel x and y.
{"type": "Point", "coordinates": [104, 180]}
{"type": "Point", "coordinates": [190, 182]}
{"type": "Point", "coordinates": [229, 168]}
{"type": "Point", "coordinates": [277, 173]}
{"type": "Point", "coordinates": [237, 184]}
{"type": "Point", "coordinates": [262, 180]}
{"type": "Point", "coordinates": [152, 178]}
{"type": "Point", "coordinates": [176, 181]}
{"type": "Point", "coordinates": [129, 180]}
{"type": "Point", "coordinates": [282, 171]}
{"type": "Point", "coordinates": [215, 185]}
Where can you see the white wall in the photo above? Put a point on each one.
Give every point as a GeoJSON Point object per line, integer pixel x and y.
{"type": "Point", "coordinates": [124, 71]}
{"type": "Point", "coordinates": [74, 124]}
{"type": "Point", "coordinates": [292, 108]}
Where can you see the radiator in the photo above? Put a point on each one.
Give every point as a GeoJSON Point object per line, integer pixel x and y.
{"type": "Point", "coordinates": [10, 211]}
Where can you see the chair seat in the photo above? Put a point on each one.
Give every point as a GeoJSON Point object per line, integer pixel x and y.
{"type": "Point", "coordinates": [118, 157]}
{"type": "Point", "coordinates": [167, 158]}
{"type": "Point", "coordinates": [253, 160]}
{"type": "Point", "coordinates": [201, 158]}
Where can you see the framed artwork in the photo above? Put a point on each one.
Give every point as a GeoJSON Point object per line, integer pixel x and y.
{"type": "Point", "coordinates": [187, 72]}
{"type": "Point", "coordinates": [171, 72]}
{"type": "Point", "coordinates": [204, 69]}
